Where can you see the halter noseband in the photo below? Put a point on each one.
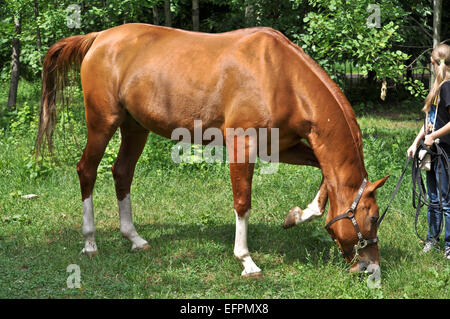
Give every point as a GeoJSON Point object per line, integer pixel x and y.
{"type": "Point", "coordinates": [350, 214]}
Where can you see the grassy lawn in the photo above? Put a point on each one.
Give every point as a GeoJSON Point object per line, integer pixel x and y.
{"type": "Point", "coordinates": [186, 214]}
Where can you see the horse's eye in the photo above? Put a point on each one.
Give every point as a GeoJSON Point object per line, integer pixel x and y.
{"type": "Point", "coordinates": [374, 219]}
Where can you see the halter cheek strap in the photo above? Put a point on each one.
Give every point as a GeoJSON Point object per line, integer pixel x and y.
{"type": "Point", "coordinates": [350, 214]}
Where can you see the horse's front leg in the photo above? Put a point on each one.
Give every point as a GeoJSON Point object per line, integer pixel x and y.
{"type": "Point", "coordinates": [241, 180]}
{"type": "Point", "coordinates": [241, 173]}
{"type": "Point", "coordinates": [314, 209]}
{"type": "Point", "coordinates": [302, 154]}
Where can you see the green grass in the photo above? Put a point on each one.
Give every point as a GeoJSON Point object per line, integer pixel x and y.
{"type": "Point", "coordinates": [186, 214]}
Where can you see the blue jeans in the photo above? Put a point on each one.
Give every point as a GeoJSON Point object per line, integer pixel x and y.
{"type": "Point", "coordinates": [434, 213]}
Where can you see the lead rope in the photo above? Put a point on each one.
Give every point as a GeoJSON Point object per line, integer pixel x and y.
{"type": "Point", "coordinates": [397, 187]}
{"type": "Point", "coordinates": [419, 196]}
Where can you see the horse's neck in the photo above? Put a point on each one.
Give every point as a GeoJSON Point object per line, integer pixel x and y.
{"type": "Point", "coordinates": [343, 181]}
{"type": "Point", "coordinates": [338, 148]}
{"type": "Point", "coordinates": [335, 135]}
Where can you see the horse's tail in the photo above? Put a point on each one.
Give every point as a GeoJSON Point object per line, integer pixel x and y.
{"type": "Point", "coordinates": [62, 57]}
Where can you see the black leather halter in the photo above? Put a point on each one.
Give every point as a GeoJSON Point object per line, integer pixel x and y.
{"type": "Point", "coordinates": [350, 214]}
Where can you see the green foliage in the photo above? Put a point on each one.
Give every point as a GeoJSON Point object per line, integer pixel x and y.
{"type": "Point", "coordinates": [21, 122]}
{"type": "Point", "coordinates": [283, 15]}
{"type": "Point", "coordinates": [333, 32]}
{"type": "Point", "coordinates": [23, 119]}
{"type": "Point", "coordinates": [37, 168]}
{"type": "Point", "coordinates": [416, 88]}
{"type": "Point", "coordinates": [108, 159]}
{"type": "Point", "coordinates": [338, 30]}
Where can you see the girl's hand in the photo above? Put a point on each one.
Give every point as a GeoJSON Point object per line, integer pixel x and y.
{"type": "Point", "coordinates": [411, 150]}
{"type": "Point", "coordinates": [429, 140]}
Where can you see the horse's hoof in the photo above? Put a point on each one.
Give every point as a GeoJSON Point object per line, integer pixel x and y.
{"type": "Point", "coordinates": [89, 253]}
{"type": "Point", "coordinates": [92, 253]}
{"type": "Point", "coordinates": [292, 217]}
{"type": "Point", "coordinates": [253, 275]}
{"type": "Point", "coordinates": [144, 247]}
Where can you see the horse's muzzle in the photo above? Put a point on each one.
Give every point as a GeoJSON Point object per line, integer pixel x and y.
{"type": "Point", "coordinates": [365, 266]}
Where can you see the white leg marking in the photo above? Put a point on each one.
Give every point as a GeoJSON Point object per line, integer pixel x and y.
{"type": "Point", "coordinates": [126, 224]}
{"type": "Point", "coordinates": [240, 246]}
{"type": "Point", "coordinates": [88, 228]}
{"type": "Point", "coordinates": [311, 211]}
{"type": "Point", "coordinates": [313, 208]}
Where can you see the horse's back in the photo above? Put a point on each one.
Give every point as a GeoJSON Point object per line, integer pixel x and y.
{"type": "Point", "coordinates": [167, 77]}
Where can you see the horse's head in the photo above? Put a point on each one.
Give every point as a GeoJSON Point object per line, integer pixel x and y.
{"type": "Point", "coordinates": [355, 230]}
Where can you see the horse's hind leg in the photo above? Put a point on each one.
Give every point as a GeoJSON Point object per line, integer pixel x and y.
{"type": "Point", "coordinates": [100, 131]}
{"type": "Point", "coordinates": [134, 137]}
{"type": "Point", "coordinates": [302, 154]}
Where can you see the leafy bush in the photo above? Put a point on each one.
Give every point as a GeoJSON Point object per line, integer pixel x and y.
{"type": "Point", "coordinates": [338, 31]}
{"type": "Point", "coordinates": [23, 120]}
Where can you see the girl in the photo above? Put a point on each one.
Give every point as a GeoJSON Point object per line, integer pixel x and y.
{"type": "Point", "coordinates": [437, 127]}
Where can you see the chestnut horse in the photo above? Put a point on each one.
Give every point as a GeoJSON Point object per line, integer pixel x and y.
{"type": "Point", "coordinates": [145, 78]}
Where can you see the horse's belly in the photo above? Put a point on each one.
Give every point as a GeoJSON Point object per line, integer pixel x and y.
{"type": "Point", "coordinates": [164, 114]}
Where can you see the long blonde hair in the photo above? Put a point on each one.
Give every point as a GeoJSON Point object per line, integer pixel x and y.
{"type": "Point", "coordinates": [441, 58]}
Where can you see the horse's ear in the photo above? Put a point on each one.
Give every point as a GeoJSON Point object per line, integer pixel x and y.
{"type": "Point", "coordinates": [373, 186]}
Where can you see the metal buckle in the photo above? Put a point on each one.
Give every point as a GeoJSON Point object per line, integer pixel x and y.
{"type": "Point", "coordinates": [362, 243]}
{"type": "Point", "coordinates": [350, 213]}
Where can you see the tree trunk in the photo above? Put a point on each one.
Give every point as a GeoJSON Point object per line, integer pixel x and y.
{"type": "Point", "coordinates": [38, 31]}
{"type": "Point", "coordinates": [409, 72]}
{"type": "Point", "coordinates": [83, 9]}
{"type": "Point", "coordinates": [249, 12]}
{"type": "Point", "coordinates": [195, 15]}
{"type": "Point", "coordinates": [15, 67]}
{"type": "Point", "coordinates": [168, 17]}
{"type": "Point", "coordinates": [437, 21]}
{"type": "Point", "coordinates": [252, 14]}
{"type": "Point", "coordinates": [155, 15]}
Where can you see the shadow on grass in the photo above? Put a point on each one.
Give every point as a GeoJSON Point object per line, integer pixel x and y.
{"type": "Point", "coordinates": [308, 243]}
{"type": "Point", "coordinates": [183, 260]}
